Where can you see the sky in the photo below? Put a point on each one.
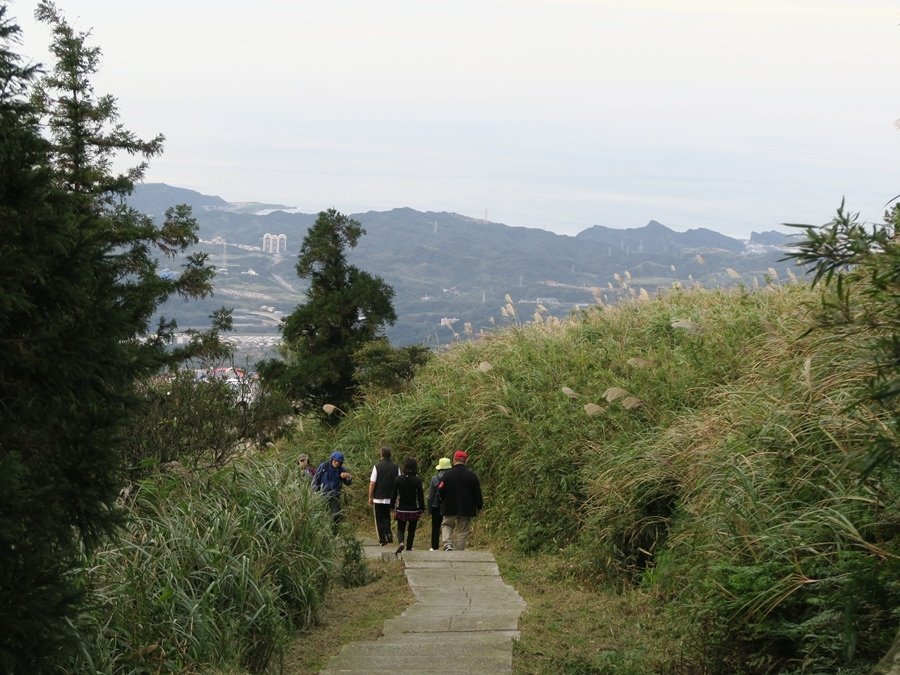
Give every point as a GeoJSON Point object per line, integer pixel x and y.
{"type": "Point", "coordinates": [734, 115]}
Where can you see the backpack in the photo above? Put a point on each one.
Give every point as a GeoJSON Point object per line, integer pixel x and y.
{"type": "Point", "coordinates": [317, 476]}
{"type": "Point", "coordinates": [434, 502]}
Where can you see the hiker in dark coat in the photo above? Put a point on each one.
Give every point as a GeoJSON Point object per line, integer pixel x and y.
{"type": "Point", "coordinates": [461, 501]}
{"type": "Point", "coordinates": [329, 478]}
{"type": "Point", "coordinates": [409, 499]}
{"type": "Point", "coordinates": [381, 493]}
{"type": "Point", "coordinates": [434, 503]}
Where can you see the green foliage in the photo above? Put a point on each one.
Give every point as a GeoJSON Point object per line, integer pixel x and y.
{"type": "Point", "coordinates": [346, 308]}
{"type": "Point", "coordinates": [354, 570]}
{"type": "Point", "coordinates": [812, 615]}
{"type": "Point", "coordinates": [382, 369]}
{"type": "Point", "coordinates": [196, 417]}
{"type": "Point", "coordinates": [86, 136]}
{"type": "Point", "coordinates": [78, 285]}
{"type": "Point", "coordinates": [731, 485]}
{"type": "Point", "coordinates": [859, 268]}
{"type": "Point", "coordinates": [36, 537]}
{"type": "Point", "coordinates": [182, 420]}
{"type": "Point", "coordinates": [211, 573]}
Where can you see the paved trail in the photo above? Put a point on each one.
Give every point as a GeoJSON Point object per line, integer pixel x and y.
{"type": "Point", "coordinates": [463, 620]}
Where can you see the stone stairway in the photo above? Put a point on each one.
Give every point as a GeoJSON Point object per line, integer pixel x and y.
{"type": "Point", "coordinates": [463, 620]}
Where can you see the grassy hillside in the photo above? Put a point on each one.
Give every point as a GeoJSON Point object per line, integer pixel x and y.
{"type": "Point", "coordinates": [690, 464]}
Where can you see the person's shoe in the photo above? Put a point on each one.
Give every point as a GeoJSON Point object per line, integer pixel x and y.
{"type": "Point", "coordinates": [431, 549]}
{"type": "Point", "coordinates": [399, 550]}
{"type": "Point", "coordinates": [448, 546]}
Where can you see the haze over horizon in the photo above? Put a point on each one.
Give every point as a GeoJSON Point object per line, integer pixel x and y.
{"type": "Point", "coordinates": [735, 115]}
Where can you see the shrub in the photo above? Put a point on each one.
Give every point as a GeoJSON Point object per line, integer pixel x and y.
{"type": "Point", "coordinates": [199, 423]}
{"type": "Point", "coordinates": [213, 572]}
{"type": "Point", "coordinates": [354, 570]}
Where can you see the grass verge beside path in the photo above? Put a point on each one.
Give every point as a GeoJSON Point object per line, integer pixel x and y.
{"type": "Point", "coordinates": [571, 629]}
{"type": "Point", "coordinates": [350, 614]}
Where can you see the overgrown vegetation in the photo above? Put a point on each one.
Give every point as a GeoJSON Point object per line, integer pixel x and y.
{"type": "Point", "coordinates": [213, 571]}
{"type": "Point", "coordinates": [382, 369]}
{"type": "Point", "coordinates": [859, 268]}
{"type": "Point", "coordinates": [200, 423]}
{"type": "Point", "coordinates": [703, 450]}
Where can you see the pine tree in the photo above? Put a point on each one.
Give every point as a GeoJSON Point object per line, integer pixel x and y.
{"type": "Point", "coordinates": [345, 308]}
{"type": "Point", "coordinates": [78, 288]}
{"type": "Point", "coordinates": [36, 538]}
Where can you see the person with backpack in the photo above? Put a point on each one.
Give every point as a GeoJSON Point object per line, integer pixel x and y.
{"type": "Point", "coordinates": [461, 501]}
{"type": "Point", "coordinates": [409, 498]}
{"type": "Point", "coordinates": [434, 503]}
{"type": "Point", "coordinates": [381, 492]}
{"type": "Point", "coordinates": [329, 478]}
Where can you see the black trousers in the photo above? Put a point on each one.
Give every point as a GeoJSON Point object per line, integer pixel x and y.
{"type": "Point", "coordinates": [410, 532]}
{"type": "Point", "coordinates": [436, 519]}
{"type": "Point", "coordinates": [334, 506]}
{"type": "Point", "coordinates": [383, 523]}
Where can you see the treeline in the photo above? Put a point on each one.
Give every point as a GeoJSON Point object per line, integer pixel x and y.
{"type": "Point", "coordinates": [130, 537]}
{"type": "Point", "coordinates": [90, 395]}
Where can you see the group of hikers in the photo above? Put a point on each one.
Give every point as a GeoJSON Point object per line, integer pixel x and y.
{"type": "Point", "coordinates": [397, 493]}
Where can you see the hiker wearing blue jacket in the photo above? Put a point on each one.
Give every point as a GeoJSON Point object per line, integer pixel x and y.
{"type": "Point", "coordinates": [329, 477]}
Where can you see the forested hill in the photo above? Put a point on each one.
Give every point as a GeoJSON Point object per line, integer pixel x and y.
{"type": "Point", "coordinates": [448, 266]}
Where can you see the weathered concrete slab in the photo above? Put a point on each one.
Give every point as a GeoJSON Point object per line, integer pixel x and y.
{"type": "Point", "coordinates": [449, 567]}
{"type": "Point", "coordinates": [449, 659]}
{"type": "Point", "coordinates": [423, 653]}
{"type": "Point", "coordinates": [469, 555]}
{"type": "Point", "coordinates": [464, 619]}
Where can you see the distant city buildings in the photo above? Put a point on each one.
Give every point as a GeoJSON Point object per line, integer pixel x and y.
{"type": "Point", "coordinates": [274, 243]}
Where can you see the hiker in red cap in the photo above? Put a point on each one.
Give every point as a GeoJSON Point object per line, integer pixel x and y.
{"type": "Point", "coordinates": [460, 492]}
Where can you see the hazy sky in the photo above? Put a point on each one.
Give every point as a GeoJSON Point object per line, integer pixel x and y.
{"type": "Point", "coordinates": [736, 115]}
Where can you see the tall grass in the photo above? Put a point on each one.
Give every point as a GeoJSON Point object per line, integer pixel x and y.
{"type": "Point", "coordinates": [726, 475]}
{"type": "Point", "coordinates": [216, 571]}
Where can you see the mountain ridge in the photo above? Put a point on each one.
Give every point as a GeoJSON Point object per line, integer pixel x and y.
{"type": "Point", "coordinates": [154, 198]}
{"type": "Point", "coordinates": [446, 266]}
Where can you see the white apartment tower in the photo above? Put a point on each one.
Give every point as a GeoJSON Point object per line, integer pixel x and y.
{"type": "Point", "coordinates": [274, 243]}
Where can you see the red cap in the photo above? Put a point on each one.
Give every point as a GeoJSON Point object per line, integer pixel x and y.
{"type": "Point", "coordinates": [460, 456]}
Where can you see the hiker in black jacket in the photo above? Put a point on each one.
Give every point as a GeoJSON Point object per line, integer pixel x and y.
{"type": "Point", "coordinates": [461, 501]}
{"type": "Point", "coordinates": [409, 503]}
{"type": "Point", "coordinates": [381, 491]}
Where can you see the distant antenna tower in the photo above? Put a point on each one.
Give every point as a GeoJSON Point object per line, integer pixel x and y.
{"type": "Point", "coordinates": [435, 227]}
